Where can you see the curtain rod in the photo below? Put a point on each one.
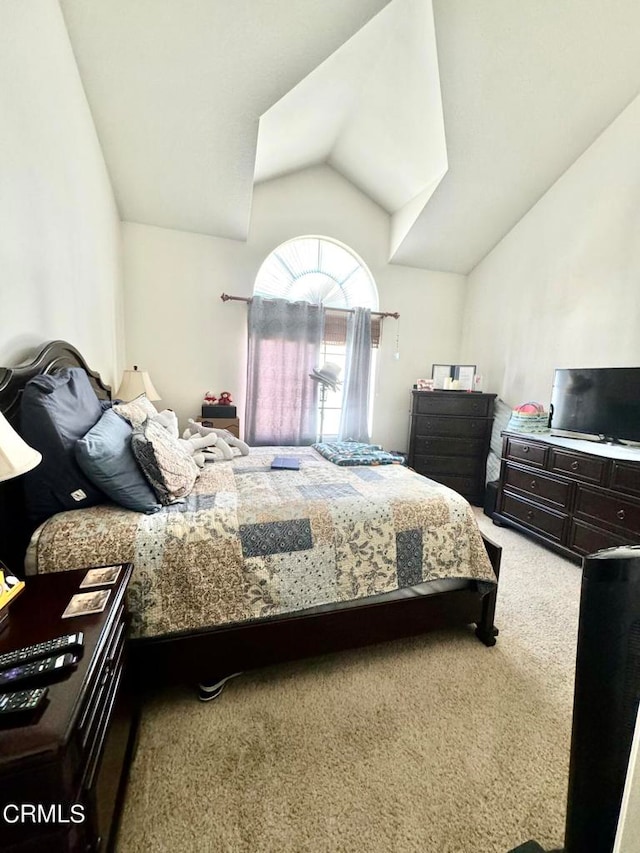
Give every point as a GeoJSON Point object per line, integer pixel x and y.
{"type": "Point", "coordinates": [226, 298]}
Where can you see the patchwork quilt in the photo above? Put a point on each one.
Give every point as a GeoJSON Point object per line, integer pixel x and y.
{"type": "Point", "coordinates": [252, 542]}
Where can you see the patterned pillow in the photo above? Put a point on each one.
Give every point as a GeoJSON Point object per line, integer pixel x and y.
{"type": "Point", "coordinates": [136, 411]}
{"type": "Point", "coordinates": [165, 463]}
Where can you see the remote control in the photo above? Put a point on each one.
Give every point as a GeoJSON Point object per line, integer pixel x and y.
{"type": "Point", "coordinates": [37, 670]}
{"type": "Point", "coordinates": [41, 650]}
{"type": "Point", "coordinates": [14, 707]}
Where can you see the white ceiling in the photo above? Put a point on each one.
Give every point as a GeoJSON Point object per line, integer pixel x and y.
{"type": "Point", "coordinates": [526, 88]}
{"type": "Point", "coordinates": [372, 111]}
{"type": "Point", "coordinates": [178, 88]}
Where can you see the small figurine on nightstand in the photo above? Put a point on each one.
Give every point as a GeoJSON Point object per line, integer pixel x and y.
{"type": "Point", "coordinates": [210, 399]}
{"type": "Point", "coordinates": [225, 399]}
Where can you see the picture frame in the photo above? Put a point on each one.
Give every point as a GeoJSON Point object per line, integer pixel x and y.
{"type": "Point", "coordinates": [453, 377]}
{"type": "Point", "coordinates": [464, 375]}
{"type": "Point", "coordinates": [440, 373]}
{"type": "Point", "coordinates": [101, 576]}
{"type": "Point", "coordinates": [86, 603]}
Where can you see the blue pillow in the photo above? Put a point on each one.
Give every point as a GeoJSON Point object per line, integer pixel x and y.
{"type": "Point", "coordinates": [106, 457]}
{"type": "Point", "coordinates": [55, 411]}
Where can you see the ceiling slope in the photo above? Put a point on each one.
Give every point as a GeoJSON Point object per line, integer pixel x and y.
{"type": "Point", "coordinates": [372, 111]}
{"type": "Point", "coordinates": [526, 88]}
{"type": "Point", "coordinates": [176, 89]}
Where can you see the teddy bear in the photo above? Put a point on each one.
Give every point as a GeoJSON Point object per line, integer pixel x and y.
{"type": "Point", "coordinates": [225, 399]}
{"type": "Point", "coordinates": [227, 442]}
{"type": "Point", "coordinates": [210, 398]}
{"type": "Point", "coordinates": [196, 443]}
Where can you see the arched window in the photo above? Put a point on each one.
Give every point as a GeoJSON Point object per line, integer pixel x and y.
{"type": "Point", "coordinates": [317, 270]}
{"type": "Point", "coordinates": [324, 272]}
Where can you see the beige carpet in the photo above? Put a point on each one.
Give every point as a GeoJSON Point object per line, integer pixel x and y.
{"type": "Point", "coordinates": [435, 744]}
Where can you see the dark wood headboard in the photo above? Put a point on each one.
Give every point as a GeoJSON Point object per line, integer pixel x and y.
{"type": "Point", "coordinates": [15, 530]}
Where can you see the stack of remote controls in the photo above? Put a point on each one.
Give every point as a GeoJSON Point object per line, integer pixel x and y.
{"type": "Point", "coordinates": [29, 667]}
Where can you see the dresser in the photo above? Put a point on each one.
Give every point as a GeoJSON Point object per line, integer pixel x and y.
{"type": "Point", "coordinates": [449, 438]}
{"type": "Point", "coordinates": [576, 496]}
{"type": "Point", "coordinates": [72, 758]}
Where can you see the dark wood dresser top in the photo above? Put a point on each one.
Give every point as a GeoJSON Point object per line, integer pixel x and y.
{"type": "Point", "coordinates": [36, 616]}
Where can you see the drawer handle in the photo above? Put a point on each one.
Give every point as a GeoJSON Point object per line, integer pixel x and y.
{"type": "Point", "coordinates": [530, 514]}
{"type": "Point", "coordinates": [574, 466]}
{"type": "Point", "coordinates": [533, 484]}
{"type": "Point", "coordinates": [621, 514]}
{"type": "Point", "coordinates": [106, 674]}
{"type": "Point", "coordinates": [525, 449]}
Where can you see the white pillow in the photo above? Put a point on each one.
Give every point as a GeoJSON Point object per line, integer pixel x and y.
{"type": "Point", "coordinates": [164, 460]}
{"type": "Point", "coordinates": [136, 411]}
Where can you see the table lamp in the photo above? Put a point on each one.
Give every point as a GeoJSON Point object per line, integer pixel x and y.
{"type": "Point", "coordinates": [16, 457]}
{"type": "Point", "coordinates": [135, 382]}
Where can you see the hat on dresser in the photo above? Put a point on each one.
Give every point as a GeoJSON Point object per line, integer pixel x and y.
{"type": "Point", "coordinates": [327, 375]}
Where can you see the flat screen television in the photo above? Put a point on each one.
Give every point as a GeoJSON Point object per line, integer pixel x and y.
{"type": "Point", "coordinates": [602, 401]}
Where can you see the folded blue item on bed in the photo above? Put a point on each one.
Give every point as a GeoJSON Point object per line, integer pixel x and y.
{"type": "Point", "coordinates": [357, 453]}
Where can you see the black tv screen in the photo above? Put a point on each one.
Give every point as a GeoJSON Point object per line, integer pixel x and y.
{"type": "Point", "coordinates": [602, 401]}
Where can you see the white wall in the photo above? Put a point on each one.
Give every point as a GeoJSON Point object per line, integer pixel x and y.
{"type": "Point", "coordinates": [60, 241]}
{"type": "Point", "coordinates": [562, 289]}
{"type": "Point", "coordinates": [178, 329]}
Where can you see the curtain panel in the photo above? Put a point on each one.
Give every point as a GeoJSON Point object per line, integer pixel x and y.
{"type": "Point", "coordinates": [354, 419]}
{"type": "Point", "coordinates": [284, 346]}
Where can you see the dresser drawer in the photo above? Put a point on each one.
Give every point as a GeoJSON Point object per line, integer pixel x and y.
{"type": "Point", "coordinates": [435, 425]}
{"type": "Point", "coordinates": [625, 477]}
{"type": "Point", "coordinates": [93, 694]}
{"type": "Point", "coordinates": [609, 509]}
{"type": "Point", "coordinates": [591, 469]}
{"type": "Point", "coordinates": [441, 445]}
{"type": "Point", "coordinates": [550, 523]}
{"type": "Point", "coordinates": [467, 466]}
{"type": "Point", "coordinates": [538, 485]}
{"type": "Point", "coordinates": [586, 539]}
{"type": "Point", "coordinates": [453, 403]}
{"type": "Point", "coordinates": [526, 451]}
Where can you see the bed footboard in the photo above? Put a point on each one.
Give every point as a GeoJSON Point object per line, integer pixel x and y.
{"type": "Point", "coordinates": [486, 631]}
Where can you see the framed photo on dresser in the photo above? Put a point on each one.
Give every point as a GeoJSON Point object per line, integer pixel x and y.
{"type": "Point", "coordinates": [461, 375]}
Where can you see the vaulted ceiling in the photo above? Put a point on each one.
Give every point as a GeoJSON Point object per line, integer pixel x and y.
{"type": "Point", "coordinates": [455, 119]}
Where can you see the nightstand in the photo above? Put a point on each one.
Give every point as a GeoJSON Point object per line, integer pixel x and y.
{"type": "Point", "coordinates": [78, 750]}
{"type": "Point", "coordinates": [232, 424]}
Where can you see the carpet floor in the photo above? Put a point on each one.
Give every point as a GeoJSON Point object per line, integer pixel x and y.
{"type": "Point", "coordinates": [434, 744]}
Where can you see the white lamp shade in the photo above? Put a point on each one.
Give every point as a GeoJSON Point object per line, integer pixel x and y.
{"type": "Point", "coordinates": [135, 382]}
{"type": "Point", "coordinates": [16, 457]}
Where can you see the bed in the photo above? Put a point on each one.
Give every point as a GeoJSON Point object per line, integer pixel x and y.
{"type": "Point", "coordinates": [259, 566]}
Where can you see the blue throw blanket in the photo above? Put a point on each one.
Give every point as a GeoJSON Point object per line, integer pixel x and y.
{"type": "Point", "coordinates": [357, 453]}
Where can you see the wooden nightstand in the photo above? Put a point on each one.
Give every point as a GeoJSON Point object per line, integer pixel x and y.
{"type": "Point", "coordinates": [79, 749]}
{"type": "Point", "coordinates": [232, 424]}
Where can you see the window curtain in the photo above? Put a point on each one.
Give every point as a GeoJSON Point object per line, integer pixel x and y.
{"type": "Point", "coordinates": [354, 419]}
{"type": "Point", "coordinates": [284, 345]}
